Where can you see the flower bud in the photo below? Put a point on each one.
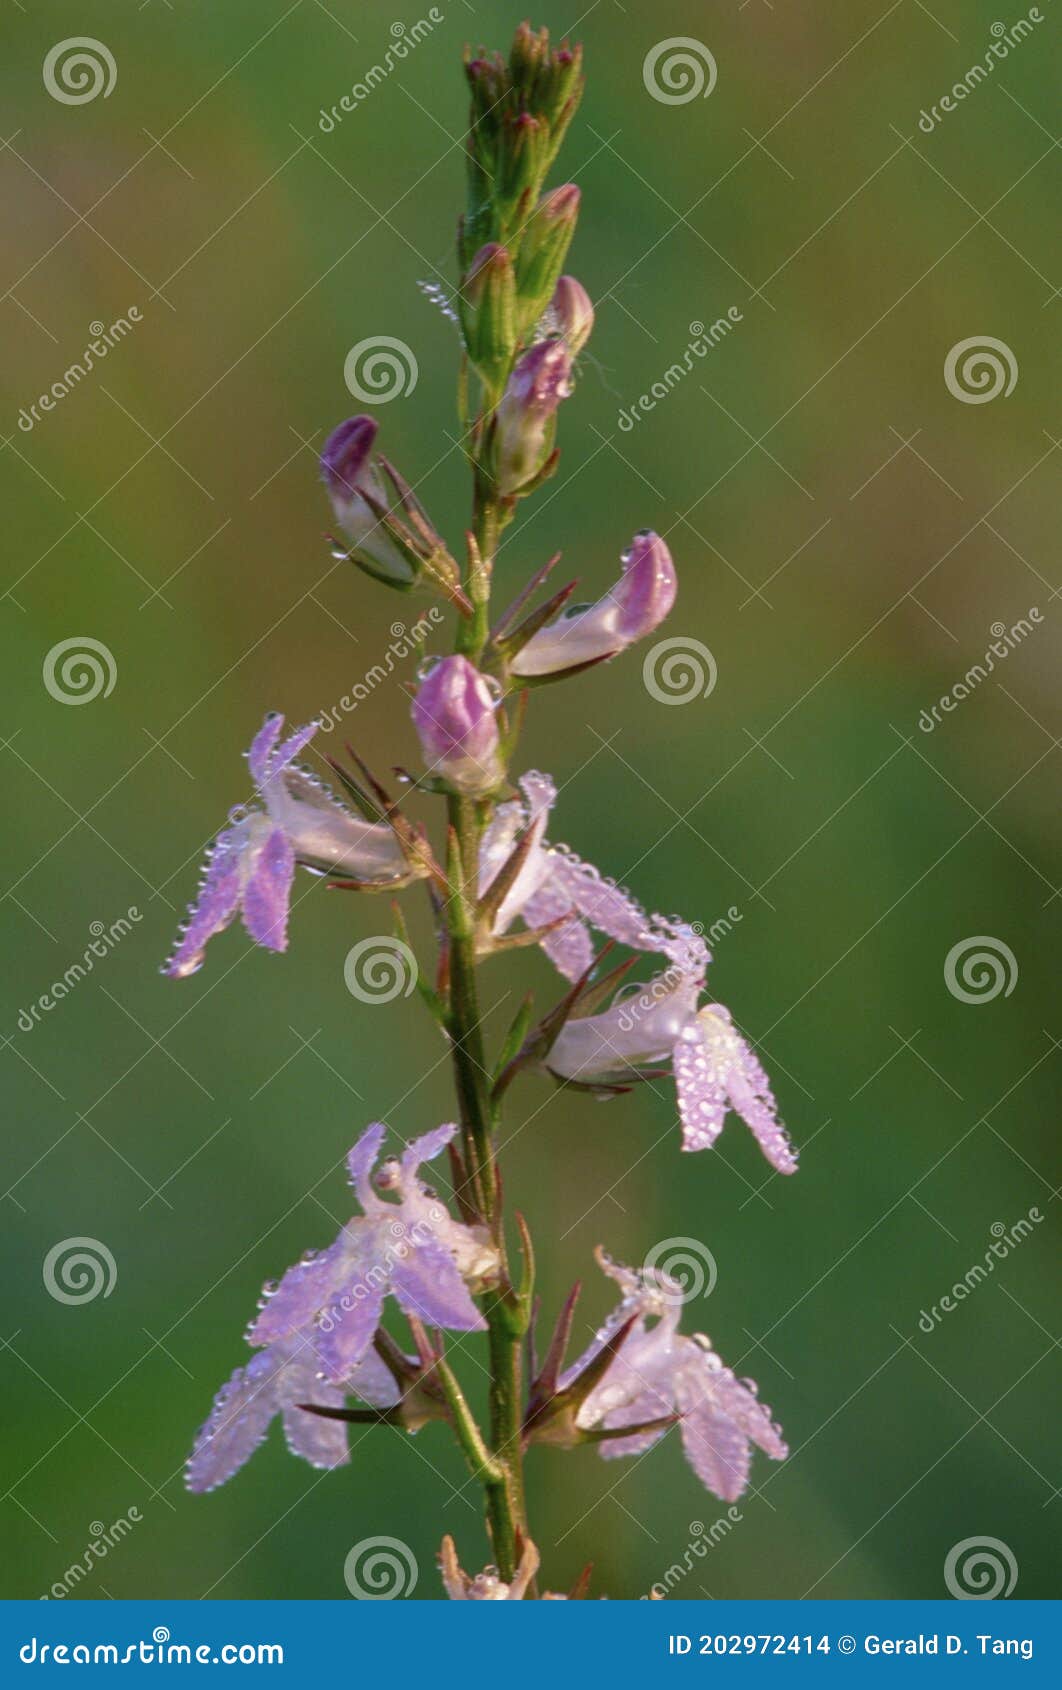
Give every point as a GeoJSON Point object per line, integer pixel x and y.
{"type": "Point", "coordinates": [543, 249]}
{"type": "Point", "coordinates": [570, 314]}
{"type": "Point", "coordinates": [526, 415]}
{"type": "Point", "coordinates": [348, 473]}
{"type": "Point", "coordinates": [487, 303]}
{"type": "Point", "coordinates": [638, 603]}
{"type": "Point", "coordinates": [454, 715]}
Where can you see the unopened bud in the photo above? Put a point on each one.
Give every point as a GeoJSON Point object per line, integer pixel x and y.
{"type": "Point", "coordinates": [487, 303]}
{"type": "Point", "coordinates": [543, 249]}
{"type": "Point", "coordinates": [570, 314]}
{"type": "Point", "coordinates": [454, 715]}
{"type": "Point", "coordinates": [525, 420]}
{"type": "Point", "coordinates": [348, 474]}
{"type": "Point", "coordinates": [638, 603]}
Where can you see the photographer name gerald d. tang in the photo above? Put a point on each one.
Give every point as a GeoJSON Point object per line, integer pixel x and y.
{"type": "Point", "coordinates": [925, 1643]}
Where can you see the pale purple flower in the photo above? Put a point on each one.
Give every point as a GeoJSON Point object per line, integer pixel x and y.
{"type": "Point", "coordinates": [553, 881]}
{"type": "Point", "coordinates": [454, 713]}
{"type": "Point", "coordinates": [316, 1327]}
{"type": "Point", "coordinates": [659, 1371]}
{"type": "Point", "coordinates": [410, 1248]}
{"type": "Point", "coordinates": [348, 473]}
{"type": "Point", "coordinates": [525, 417]}
{"type": "Point", "coordinates": [634, 607]}
{"type": "Point", "coordinates": [715, 1069]}
{"type": "Point", "coordinates": [251, 865]}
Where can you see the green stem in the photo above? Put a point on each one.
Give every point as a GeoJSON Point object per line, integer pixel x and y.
{"type": "Point", "coordinates": [504, 1486]}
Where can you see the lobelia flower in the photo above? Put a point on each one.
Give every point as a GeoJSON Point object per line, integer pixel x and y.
{"type": "Point", "coordinates": [524, 422]}
{"type": "Point", "coordinates": [454, 715]}
{"type": "Point", "coordinates": [659, 1371]}
{"type": "Point", "coordinates": [316, 1327]}
{"type": "Point", "coordinates": [715, 1069]}
{"type": "Point", "coordinates": [634, 607]}
{"type": "Point", "coordinates": [553, 881]}
{"type": "Point", "coordinates": [348, 474]}
{"type": "Point", "coordinates": [251, 865]}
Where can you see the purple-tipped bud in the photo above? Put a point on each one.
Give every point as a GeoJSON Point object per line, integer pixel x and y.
{"type": "Point", "coordinates": [454, 715]}
{"type": "Point", "coordinates": [570, 314]}
{"type": "Point", "coordinates": [638, 603]}
{"type": "Point", "coordinates": [348, 473]}
{"type": "Point", "coordinates": [524, 438]}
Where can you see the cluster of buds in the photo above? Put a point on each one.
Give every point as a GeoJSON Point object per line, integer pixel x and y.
{"type": "Point", "coordinates": [522, 320]}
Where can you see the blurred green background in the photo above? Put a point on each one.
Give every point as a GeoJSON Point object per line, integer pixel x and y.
{"type": "Point", "coordinates": [847, 532]}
